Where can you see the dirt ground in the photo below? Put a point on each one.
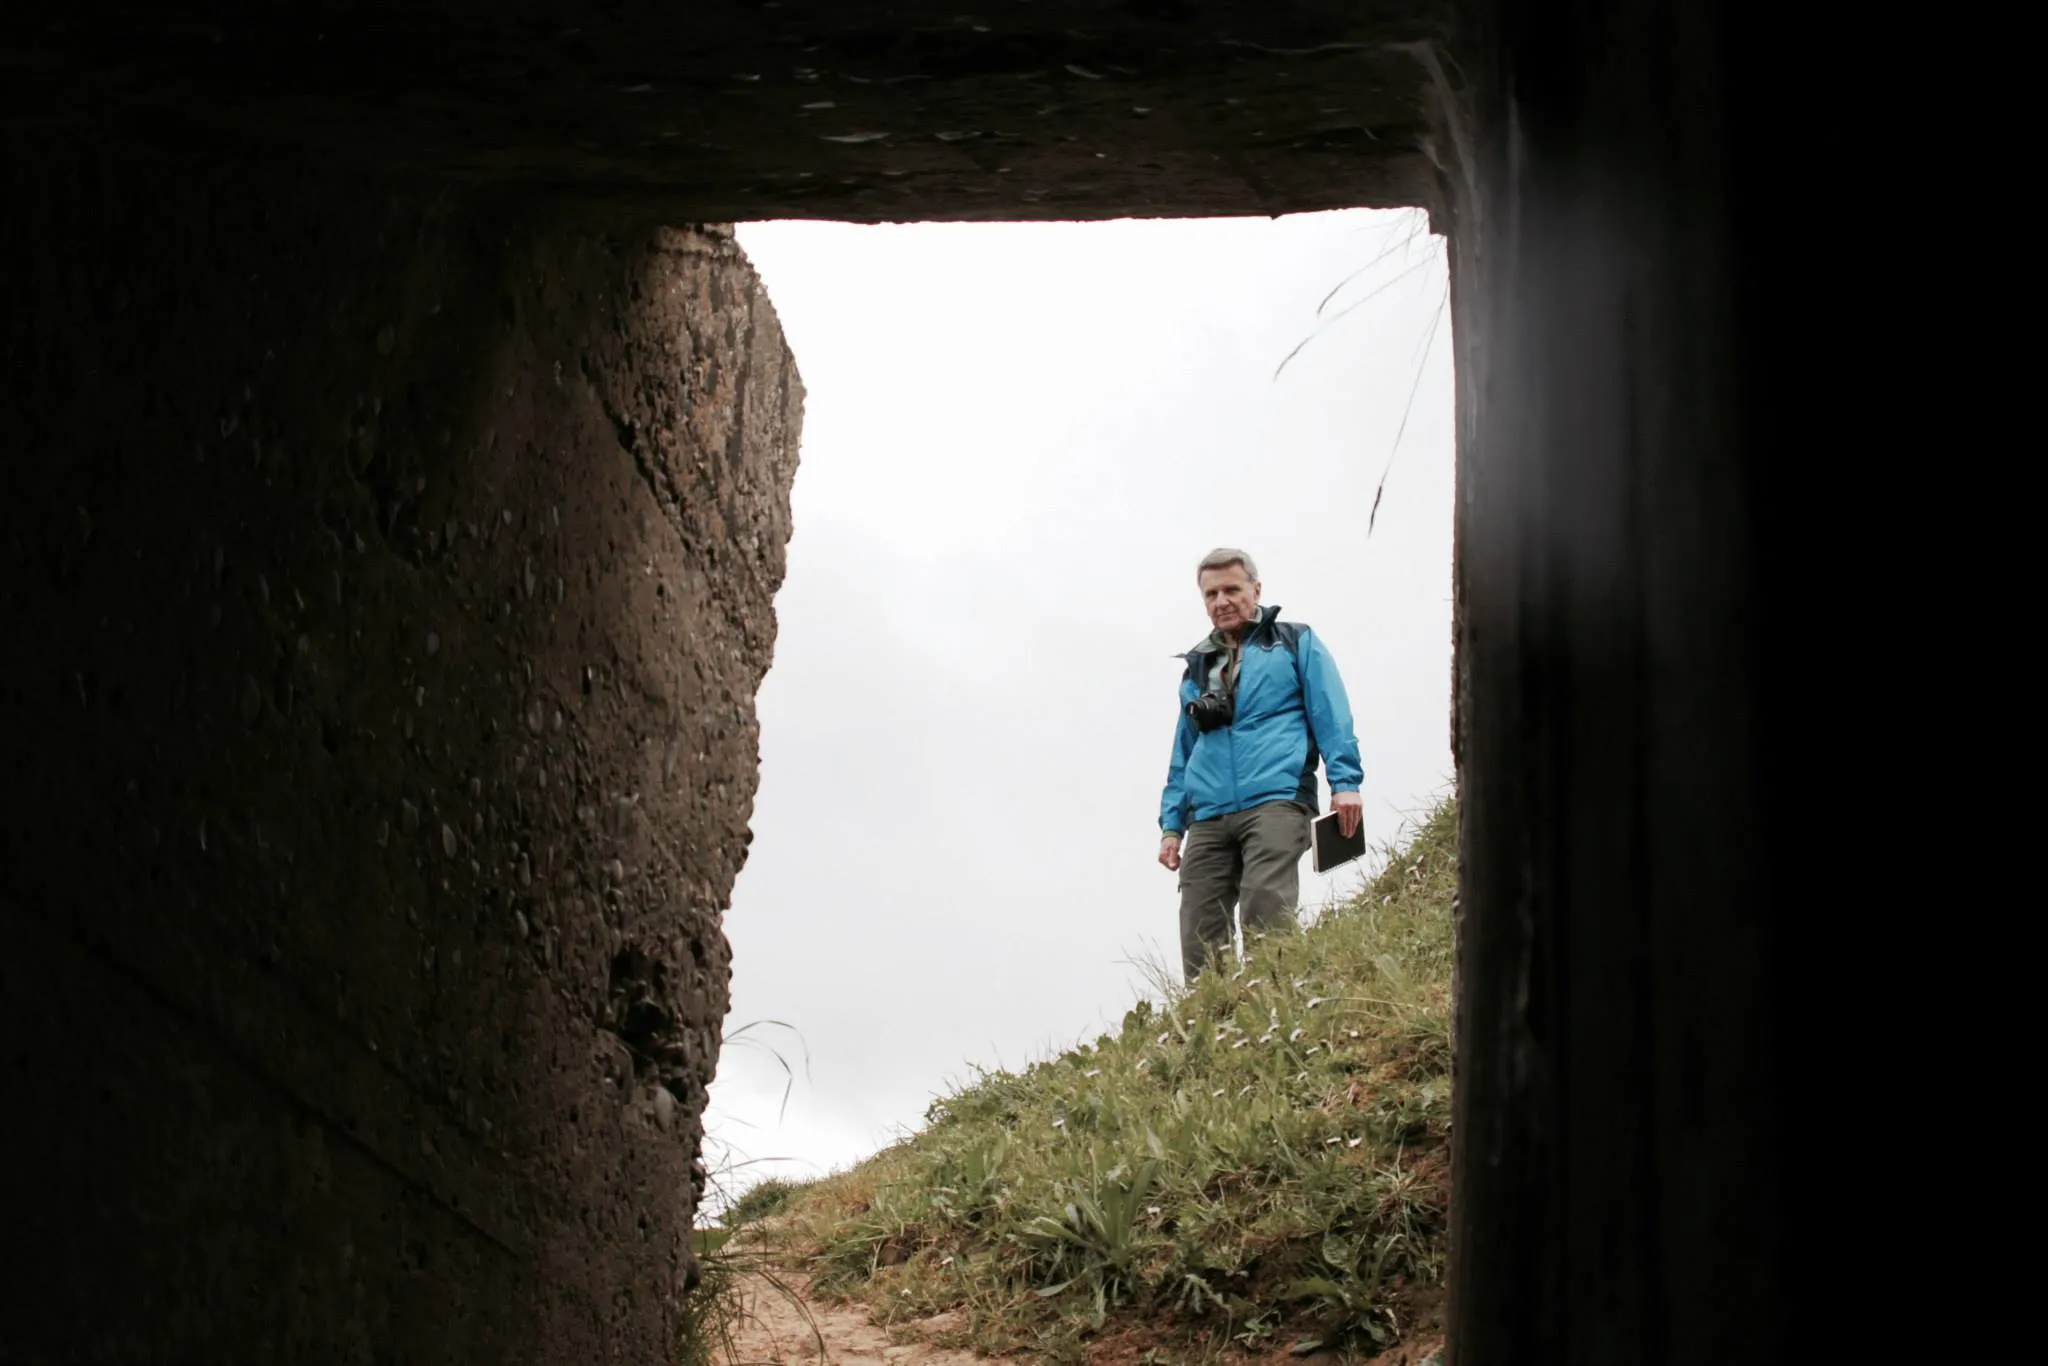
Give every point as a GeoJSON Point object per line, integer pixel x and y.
{"type": "Point", "coordinates": [775, 1331]}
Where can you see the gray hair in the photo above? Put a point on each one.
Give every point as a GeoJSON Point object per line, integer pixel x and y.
{"type": "Point", "coordinates": [1222, 557]}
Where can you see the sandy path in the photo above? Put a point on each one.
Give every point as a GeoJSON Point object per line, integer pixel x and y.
{"type": "Point", "coordinates": [774, 1332]}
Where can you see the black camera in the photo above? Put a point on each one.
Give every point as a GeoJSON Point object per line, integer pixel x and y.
{"type": "Point", "coordinates": [1212, 709]}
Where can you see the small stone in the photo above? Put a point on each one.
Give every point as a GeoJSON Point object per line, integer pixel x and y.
{"type": "Point", "coordinates": [250, 704]}
{"type": "Point", "coordinates": [387, 338]}
{"type": "Point", "coordinates": [433, 643]}
{"type": "Point", "coordinates": [519, 919]}
{"type": "Point", "coordinates": [664, 1108]}
{"type": "Point", "coordinates": [408, 817]}
{"type": "Point", "coordinates": [448, 840]}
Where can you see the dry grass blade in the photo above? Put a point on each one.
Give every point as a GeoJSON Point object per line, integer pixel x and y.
{"type": "Point", "coordinates": [1415, 387]}
{"type": "Point", "coordinates": [1347, 310]}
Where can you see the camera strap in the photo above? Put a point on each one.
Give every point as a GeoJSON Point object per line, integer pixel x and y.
{"type": "Point", "coordinates": [1286, 635]}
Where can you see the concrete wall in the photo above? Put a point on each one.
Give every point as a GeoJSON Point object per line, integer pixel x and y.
{"type": "Point", "coordinates": [387, 579]}
{"type": "Point", "coordinates": [1620, 1179]}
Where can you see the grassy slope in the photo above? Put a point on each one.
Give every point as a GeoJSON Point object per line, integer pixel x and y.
{"type": "Point", "coordinates": [1264, 1161]}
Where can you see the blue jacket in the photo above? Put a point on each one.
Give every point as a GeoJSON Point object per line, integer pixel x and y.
{"type": "Point", "coordinates": [1291, 711]}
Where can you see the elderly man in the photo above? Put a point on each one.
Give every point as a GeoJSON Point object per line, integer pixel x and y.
{"type": "Point", "coordinates": [1261, 702]}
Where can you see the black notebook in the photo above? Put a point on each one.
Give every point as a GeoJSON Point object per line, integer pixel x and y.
{"type": "Point", "coordinates": [1332, 850]}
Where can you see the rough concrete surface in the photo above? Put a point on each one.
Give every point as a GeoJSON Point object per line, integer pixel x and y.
{"type": "Point", "coordinates": [388, 581]}
{"type": "Point", "coordinates": [720, 110]}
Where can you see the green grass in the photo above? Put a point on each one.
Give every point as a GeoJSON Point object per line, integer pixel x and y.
{"type": "Point", "coordinates": [759, 1201]}
{"type": "Point", "coordinates": [1261, 1162]}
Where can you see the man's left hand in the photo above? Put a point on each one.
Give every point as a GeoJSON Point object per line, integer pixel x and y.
{"type": "Point", "coordinates": [1350, 809]}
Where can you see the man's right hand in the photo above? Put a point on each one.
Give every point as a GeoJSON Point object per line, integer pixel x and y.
{"type": "Point", "coordinates": [1169, 853]}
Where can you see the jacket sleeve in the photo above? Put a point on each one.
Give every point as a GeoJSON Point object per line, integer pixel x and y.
{"type": "Point", "coordinates": [1329, 714]}
{"type": "Point", "coordinates": [1173, 803]}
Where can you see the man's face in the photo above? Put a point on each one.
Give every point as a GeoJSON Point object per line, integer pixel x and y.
{"type": "Point", "coordinates": [1230, 596]}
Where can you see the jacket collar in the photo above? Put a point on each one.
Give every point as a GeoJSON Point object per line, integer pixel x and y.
{"type": "Point", "coordinates": [1209, 644]}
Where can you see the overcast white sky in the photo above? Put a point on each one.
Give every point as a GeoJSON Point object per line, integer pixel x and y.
{"type": "Point", "coordinates": [1018, 439]}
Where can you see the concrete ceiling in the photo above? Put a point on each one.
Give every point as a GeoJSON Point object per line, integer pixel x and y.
{"type": "Point", "coordinates": [719, 110]}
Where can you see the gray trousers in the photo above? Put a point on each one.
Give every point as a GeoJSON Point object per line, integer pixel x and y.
{"type": "Point", "coordinates": [1250, 859]}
